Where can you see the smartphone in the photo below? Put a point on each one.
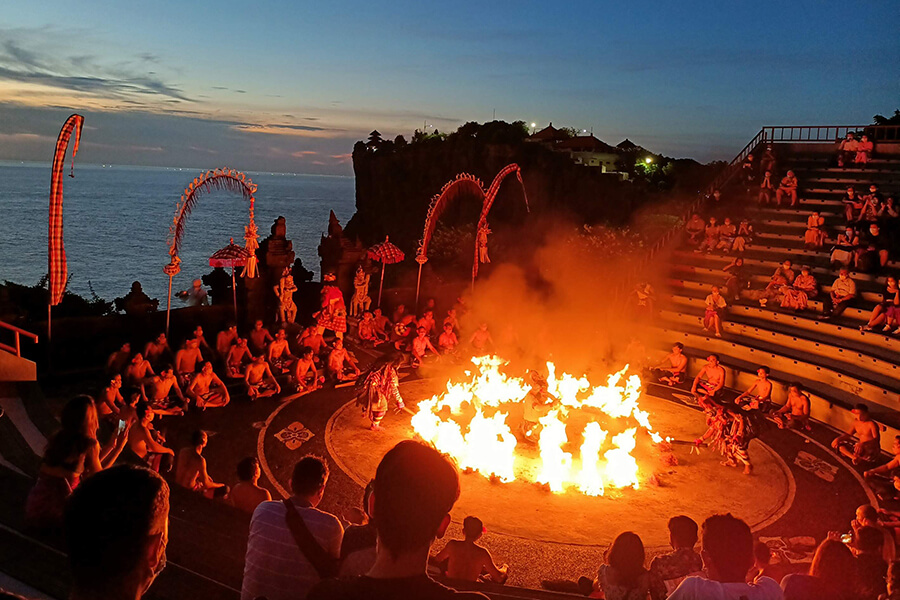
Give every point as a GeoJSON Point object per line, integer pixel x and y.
{"type": "Point", "coordinates": [121, 427]}
{"type": "Point", "coordinates": [847, 538]}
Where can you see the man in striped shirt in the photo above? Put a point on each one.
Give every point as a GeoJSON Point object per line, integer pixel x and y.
{"type": "Point", "coordinates": [275, 567]}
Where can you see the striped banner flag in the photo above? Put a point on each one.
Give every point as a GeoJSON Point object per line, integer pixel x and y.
{"type": "Point", "coordinates": [58, 269]}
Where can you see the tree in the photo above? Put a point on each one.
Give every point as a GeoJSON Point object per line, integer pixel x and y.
{"type": "Point", "coordinates": [375, 139]}
{"type": "Point", "coordinates": [399, 141]}
{"type": "Point", "coordinates": [882, 120]}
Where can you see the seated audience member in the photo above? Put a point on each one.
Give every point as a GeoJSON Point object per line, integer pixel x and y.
{"type": "Point", "coordinates": [787, 188]}
{"type": "Point", "coordinates": [832, 575]}
{"type": "Point", "coordinates": [225, 339]}
{"type": "Point", "coordinates": [847, 150]}
{"type": "Point", "coordinates": [863, 151]}
{"type": "Point", "coordinates": [874, 196]}
{"type": "Point", "coordinates": [744, 236]}
{"type": "Point", "coordinates": [748, 171]}
{"type": "Point", "coordinates": [727, 235]}
{"type": "Point", "coordinates": [762, 564]}
{"type": "Point", "coordinates": [694, 228]}
{"type": "Point", "coordinates": [867, 432]}
{"type": "Point", "coordinates": [146, 443]}
{"type": "Point", "coordinates": [312, 339]}
{"type": "Point", "coordinates": [893, 582]}
{"type": "Point", "coordinates": [887, 310]}
{"type": "Point", "coordinates": [737, 279]}
{"type": "Point", "coordinates": [710, 237]}
{"type": "Point", "coordinates": [72, 454]}
{"type": "Point", "coordinates": [207, 390]}
{"type": "Point", "coordinates": [341, 366]}
{"type": "Point", "coordinates": [673, 367]}
{"type": "Point", "coordinates": [186, 361]}
{"type": "Point", "coordinates": [795, 412]}
{"type": "Point", "coordinates": [110, 399]}
{"type": "Point", "coordinates": [871, 207]}
{"type": "Point", "coordinates": [260, 338]}
{"type": "Point", "coordinates": [358, 545]}
{"type": "Point", "coordinates": [118, 360]}
{"type": "Point", "coordinates": [867, 516]}
{"type": "Point", "coordinates": [709, 382]}
{"type": "Point", "coordinates": [715, 311]}
{"type": "Point", "coordinates": [117, 528]}
{"type": "Point", "coordinates": [128, 411]}
{"type": "Point", "coordinates": [624, 576]}
{"type": "Point", "coordinates": [158, 351]}
{"type": "Point", "coordinates": [843, 292]}
{"type": "Point", "coordinates": [279, 353]}
{"type": "Point", "coordinates": [259, 379]}
{"type": "Point", "coordinates": [304, 374]}
{"type": "Point", "coordinates": [767, 161]}
{"type": "Point", "coordinates": [782, 277]}
{"type": "Point", "coordinates": [204, 347]}
{"type": "Point", "coordinates": [797, 296]}
{"type": "Point", "coordinates": [853, 205]}
{"type": "Point", "coordinates": [280, 533]}
{"type": "Point", "coordinates": [888, 213]}
{"type": "Point", "coordinates": [468, 561]}
{"type": "Point", "coordinates": [246, 494]}
{"type": "Point", "coordinates": [447, 341]}
{"type": "Point", "coordinates": [481, 340]}
{"type": "Point", "coordinates": [759, 395]}
{"type": "Point", "coordinates": [237, 358]}
{"type": "Point", "coordinates": [421, 345]}
{"type": "Point", "coordinates": [415, 489]}
{"type": "Point", "coordinates": [382, 325]}
{"type": "Point", "coordinates": [871, 568]}
{"type": "Point", "coordinates": [159, 393]}
{"type": "Point", "coordinates": [814, 238]}
{"type": "Point", "coordinates": [190, 469]}
{"type": "Point", "coordinates": [766, 190]}
{"type": "Point", "coordinates": [843, 254]}
{"type": "Point", "coordinates": [137, 371]}
{"type": "Point", "coordinates": [672, 568]}
{"type": "Point", "coordinates": [727, 549]}
{"type": "Point", "coordinates": [874, 249]}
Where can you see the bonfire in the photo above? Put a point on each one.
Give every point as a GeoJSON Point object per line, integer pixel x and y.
{"type": "Point", "coordinates": [583, 440]}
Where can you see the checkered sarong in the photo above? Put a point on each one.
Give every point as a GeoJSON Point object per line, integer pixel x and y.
{"type": "Point", "coordinates": [58, 269]}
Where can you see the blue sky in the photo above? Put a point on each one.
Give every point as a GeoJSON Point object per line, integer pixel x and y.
{"type": "Point", "coordinates": [289, 86]}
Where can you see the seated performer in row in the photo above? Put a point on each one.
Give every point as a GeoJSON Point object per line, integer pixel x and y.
{"type": "Point", "coordinates": [707, 391]}
{"type": "Point", "coordinates": [159, 393]}
{"type": "Point", "coordinates": [207, 390]}
{"type": "Point", "coordinates": [237, 359]}
{"type": "Point", "coordinates": [673, 367]}
{"type": "Point", "coordinates": [447, 341]}
{"type": "Point", "coordinates": [420, 347]}
{"type": "Point", "coordinates": [259, 379]}
{"type": "Point", "coordinates": [304, 374]}
{"type": "Point", "coordinates": [186, 361]}
{"type": "Point", "coordinates": [279, 355]}
{"type": "Point", "coordinates": [759, 394]}
{"type": "Point", "coordinates": [868, 434]}
{"type": "Point", "coordinates": [795, 412]}
{"type": "Point", "coordinates": [341, 366]}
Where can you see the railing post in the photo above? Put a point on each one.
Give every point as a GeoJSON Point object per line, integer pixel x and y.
{"type": "Point", "coordinates": [18, 346]}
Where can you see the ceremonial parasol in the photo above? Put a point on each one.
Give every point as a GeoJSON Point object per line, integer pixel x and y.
{"type": "Point", "coordinates": [230, 256]}
{"type": "Point", "coordinates": [387, 254]}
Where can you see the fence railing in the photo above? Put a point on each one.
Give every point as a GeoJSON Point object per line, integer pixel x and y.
{"type": "Point", "coordinates": [17, 348]}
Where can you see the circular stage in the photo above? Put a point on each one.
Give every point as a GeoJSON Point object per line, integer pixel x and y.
{"type": "Point", "coordinates": [697, 486]}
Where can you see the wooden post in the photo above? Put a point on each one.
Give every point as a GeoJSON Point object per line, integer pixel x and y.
{"type": "Point", "coordinates": [381, 285]}
{"type": "Point", "coordinates": [168, 306]}
{"type": "Point", "coordinates": [418, 283]}
{"type": "Point", "coordinates": [234, 292]}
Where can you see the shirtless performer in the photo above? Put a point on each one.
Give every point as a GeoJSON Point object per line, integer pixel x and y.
{"type": "Point", "coordinates": [672, 373]}
{"type": "Point", "coordinates": [427, 321]}
{"type": "Point", "coordinates": [146, 443]}
{"type": "Point", "coordinates": [365, 330]}
{"type": "Point", "coordinates": [452, 319]}
{"type": "Point", "coordinates": [246, 494]}
{"type": "Point", "coordinates": [225, 339]}
{"type": "Point", "coordinates": [110, 399]}
{"type": "Point", "coordinates": [481, 340]}
{"type": "Point", "coordinates": [118, 360]}
{"type": "Point", "coordinates": [341, 364]}
{"type": "Point", "coordinates": [447, 341]}
{"type": "Point", "coordinates": [158, 350]}
{"type": "Point", "coordinates": [159, 390]}
{"type": "Point", "coordinates": [466, 560]}
{"type": "Point", "coordinates": [279, 354]}
{"type": "Point", "coordinates": [190, 469]}
{"type": "Point", "coordinates": [868, 434]}
{"type": "Point", "coordinates": [259, 379]}
{"type": "Point", "coordinates": [186, 361]}
{"type": "Point", "coordinates": [759, 394]}
{"type": "Point", "coordinates": [304, 374]}
{"type": "Point", "coordinates": [795, 412]}
{"type": "Point", "coordinates": [887, 468]}
{"type": "Point", "coordinates": [420, 346]}
{"type": "Point", "coordinates": [706, 391]}
{"type": "Point", "coordinates": [260, 338]}
{"type": "Point", "coordinates": [204, 347]}
{"type": "Point", "coordinates": [137, 371]}
{"type": "Point", "coordinates": [238, 356]}
{"type": "Point", "coordinates": [207, 389]}
{"type": "Point", "coordinates": [382, 324]}
{"type": "Point", "coordinates": [311, 338]}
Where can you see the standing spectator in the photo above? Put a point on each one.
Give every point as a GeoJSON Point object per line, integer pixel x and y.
{"type": "Point", "coordinates": [466, 559]}
{"type": "Point", "coordinates": [117, 528]}
{"type": "Point", "coordinates": [292, 545]}
{"type": "Point", "coordinates": [415, 489]}
{"type": "Point", "coordinates": [768, 160]}
{"type": "Point", "coordinates": [727, 550]}
{"type": "Point", "coordinates": [247, 493]}
{"type": "Point", "coordinates": [672, 568]}
{"type": "Point", "coordinates": [72, 453]}
{"type": "Point", "coordinates": [832, 575]}
{"type": "Point", "coordinates": [863, 152]}
{"type": "Point", "coordinates": [787, 187]}
{"type": "Point", "coordinates": [715, 310]}
{"type": "Point", "coordinates": [843, 291]}
{"type": "Point", "coordinates": [871, 568]}
{"type": "Point", "coordinates": [847, 150]}
{"type": "Point", "coordinates": [624, 577]}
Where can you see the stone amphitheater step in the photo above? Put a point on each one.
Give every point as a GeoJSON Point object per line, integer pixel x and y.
{"type": "Point", "coordinates": [798, 256]}
{"type": "Point", "coordinates": [828, 405]}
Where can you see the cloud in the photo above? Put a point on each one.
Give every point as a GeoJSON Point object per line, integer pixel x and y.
{"type": "Point", "coordinates": [342, 157]}
{"type": "Point", "coordinates": [302, 153]}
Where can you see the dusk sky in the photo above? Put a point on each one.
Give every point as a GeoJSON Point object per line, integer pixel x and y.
{"type": "Point", "coordinates": [290, 86]}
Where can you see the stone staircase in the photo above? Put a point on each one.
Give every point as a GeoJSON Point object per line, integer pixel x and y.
{"type": "Point", "coordinates": [837, 363]}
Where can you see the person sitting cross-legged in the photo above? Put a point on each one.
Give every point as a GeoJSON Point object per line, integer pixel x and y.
{"type": "Point", "coordinates": [190, 469]}
{"type": "Point", "coordinates": [207, 390]}
{"type": "Point", "coordinates": [160, 391]}
{"type": "Point", "coordinates": [304, 374]}
{"type": "Point", "coordinates": [867, 432]}
{"type": "Point", "coordinates": [468, 561]}
{"type": "Point", "coordinates": [341, 366]}
{"type": "Point", "coordinates": [707, 390]}
{"type": "Point", "coordinates": [259, 379]}
{"type": "Point", "coordinates": [673, 367]}
{"type": "Point", "coordinates": [238, 356]}
{"type": "Point", "coordinates": [759, 395]}
{"type": "Point", "coordinates": [795, 412]}
{"type": "Point", "coordinates": [279, 353]}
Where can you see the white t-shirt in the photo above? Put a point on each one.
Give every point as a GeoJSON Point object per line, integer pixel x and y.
{"type": "Point", "coordinates": [697, 588]}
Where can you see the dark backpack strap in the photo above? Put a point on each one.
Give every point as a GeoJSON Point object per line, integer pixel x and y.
{"type": "Point", "coordinates": [324, 564]}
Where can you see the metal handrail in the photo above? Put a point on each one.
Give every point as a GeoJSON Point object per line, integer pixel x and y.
{"type": "Point", "coordinates": [17, 349]}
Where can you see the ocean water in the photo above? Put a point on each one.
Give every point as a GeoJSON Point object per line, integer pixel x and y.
{"type": "Point", "coordinates": [116, 222]}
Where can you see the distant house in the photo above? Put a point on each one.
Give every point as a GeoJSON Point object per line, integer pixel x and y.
{"type": "Point", "coordinates": [589, 151]}
{"type": "Point", "coordinates": [549, 135]}
{"type": "Point", "coordinates": [627, 145]}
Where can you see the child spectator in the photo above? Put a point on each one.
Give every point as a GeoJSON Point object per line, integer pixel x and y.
{"type": "Point", "coordinates": [447, 342]}
{"type": "Point", "coordinates": [466, 560]}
